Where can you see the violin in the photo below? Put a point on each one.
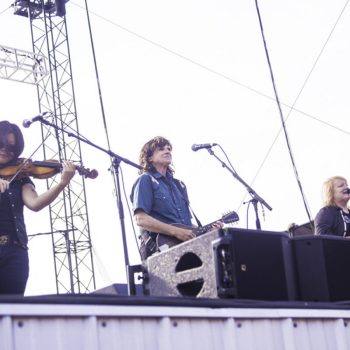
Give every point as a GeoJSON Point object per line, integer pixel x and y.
{"type": "Point", "coordinates": [39, 169]}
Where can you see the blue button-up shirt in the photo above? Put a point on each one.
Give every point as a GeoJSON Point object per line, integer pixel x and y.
{"type": "Point", "coordinates": [159, 197]}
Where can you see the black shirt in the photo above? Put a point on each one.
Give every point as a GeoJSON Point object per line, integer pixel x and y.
{"type": "Point", "coordinates": [346, 218]}
{"type": "Point", "coordinates": [7, 222]}
{"type": "Point", "coordinates": [331, 220]}
{"type": "Point", "coordinates": [11, 211]}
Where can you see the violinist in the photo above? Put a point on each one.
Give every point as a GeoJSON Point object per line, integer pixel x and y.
{"type": "Point", "coordinates": [14, 195]}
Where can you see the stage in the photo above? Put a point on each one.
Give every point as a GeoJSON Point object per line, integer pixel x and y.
{"type": "Point", "coordinates": [102, 321]}
{"type": "Point", "coordinates": [227, 289]}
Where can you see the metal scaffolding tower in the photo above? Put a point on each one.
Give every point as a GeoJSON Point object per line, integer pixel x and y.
{"type": "Point", "coordinates": [22, 66]}
{"type": "Point", "coordinates": [68, 214]}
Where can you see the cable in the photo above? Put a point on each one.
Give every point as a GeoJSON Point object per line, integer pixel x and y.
{"type": "Point", "coordinates": [281, 114]}
{"type": "Point", "coordinates": [97, 76]}
{"type": "Point", "coordinates": [219, 74]}
{"type": "Point", "coordinates": [130, 215]}
{"type": "Point", "coordinates": [114, 163]}
{"type": "Point", "coordinates": [299, 94]}
{"type": "Point", "coordinates": [3, 11]}
{"type": "Point", "coordinates": [317, 58]}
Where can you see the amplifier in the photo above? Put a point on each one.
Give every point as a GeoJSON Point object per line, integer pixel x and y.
{"type": "Point", "coordinates": [201, 267]}
{"type": "Point", "coordinates": [264, 265]}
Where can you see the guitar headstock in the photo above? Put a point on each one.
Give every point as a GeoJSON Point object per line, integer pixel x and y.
{"type": "Point", "coordinates": [230, 217]}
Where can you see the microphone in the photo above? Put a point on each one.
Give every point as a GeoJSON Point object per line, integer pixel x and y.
{"type": "Point", "coordinates": [27, 122]}
{"type": "Point", "coordinates": [195, 147]}
{"type": "Point", "coordinates": [347, 191]}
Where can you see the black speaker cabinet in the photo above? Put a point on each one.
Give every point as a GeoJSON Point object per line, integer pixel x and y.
{"type": "Point", "coordinates": [264, 265]}
{"type": "Point", "coordinates": [201, 267]}
{"type": "Point", "coordinates": [323, 267]}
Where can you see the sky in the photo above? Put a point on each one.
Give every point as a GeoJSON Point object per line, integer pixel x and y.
{"type": "Point", "coordinates": [195, 71]}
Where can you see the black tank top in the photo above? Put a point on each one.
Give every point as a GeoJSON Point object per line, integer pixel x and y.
{"type": "Point", "coordinates": [7, 223]}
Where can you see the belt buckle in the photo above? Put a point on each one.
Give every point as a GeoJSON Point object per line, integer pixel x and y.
{"type": "Point", "coordinates": [5, 239]}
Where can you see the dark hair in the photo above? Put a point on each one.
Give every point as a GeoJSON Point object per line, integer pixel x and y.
{"type": "Point", "coordinates": [148, 150]}
{"type": "Point", "coordinates": [7, 128]}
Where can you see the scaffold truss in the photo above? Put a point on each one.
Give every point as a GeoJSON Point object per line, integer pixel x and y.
{"type": "Point", "coordinates": [22, 66]}
{"type": "Point", "coordinates": [70, 230]}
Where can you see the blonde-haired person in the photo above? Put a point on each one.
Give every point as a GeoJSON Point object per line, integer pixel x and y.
{"type": "Point", "coordinates": [334, 217]}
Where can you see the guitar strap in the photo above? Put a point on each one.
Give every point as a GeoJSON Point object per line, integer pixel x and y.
{"type": "Point", "coordinates": [148, 246]}
{"type": "Point", "coordinates": [181, 187]}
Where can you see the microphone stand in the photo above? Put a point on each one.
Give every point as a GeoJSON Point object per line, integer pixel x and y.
{"type": "Point", "coordinates": [116, 160]}
{"type": "Point", "coordinates": [255, 197]}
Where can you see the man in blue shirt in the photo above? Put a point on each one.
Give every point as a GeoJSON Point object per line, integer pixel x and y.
{"type": "Point", "coordinates": [159, 199]}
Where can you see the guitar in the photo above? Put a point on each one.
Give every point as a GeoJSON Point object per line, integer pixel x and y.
{"type": "Point", "coordinates": [165, 241]}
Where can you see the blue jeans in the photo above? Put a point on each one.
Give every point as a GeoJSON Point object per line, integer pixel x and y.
{"type": "Point", "coordinates": [14, 269]}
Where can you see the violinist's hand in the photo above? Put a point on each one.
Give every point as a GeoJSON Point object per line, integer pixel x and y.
{"type": "Point", "coordinates": [67, 172]}
{"type": "Point", "coordinates": [4, 185]}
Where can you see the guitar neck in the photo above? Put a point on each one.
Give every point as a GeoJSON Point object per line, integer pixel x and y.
{"type": "Point", "coordinates": [204, 228]}
{"type": "Point", "coordinates": [169, 241]}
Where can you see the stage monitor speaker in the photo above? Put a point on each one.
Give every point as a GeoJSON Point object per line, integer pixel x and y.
{"type": "Point", "coordinates": [201, 267]}
{"type": "Point", "coordinates": [264, 265]}
{"type": "Point", "coordinates": [323, 267]}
